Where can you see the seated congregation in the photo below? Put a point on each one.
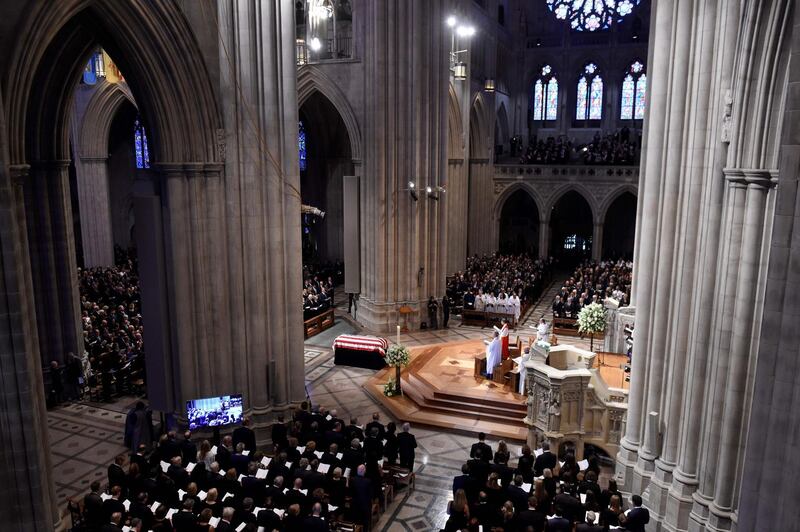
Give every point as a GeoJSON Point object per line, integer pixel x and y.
{"type": "Point", "coordinates": [618, 147]}
{"type": "Point", "coordinates": [593, 282]}
{"type": "Point", "coordinates": [499, 284]}
{"type": "Point", "coordinates": [541, 492]}
{"type": "Point", "coordinates": [320, 473]}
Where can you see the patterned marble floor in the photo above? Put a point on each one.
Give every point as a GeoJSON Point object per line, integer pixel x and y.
{"type": "Point", "coordinates": [85, 437]}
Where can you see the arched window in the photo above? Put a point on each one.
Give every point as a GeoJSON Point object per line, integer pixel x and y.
{"type": "Point", "coordinates": [634, 86]}
{"type": "Point", "coordinates": [545, 95]}
{"type": "Point", "coordinates": [140, 145]}
{"type": "Point", "coordinates": [301, 146]}
{"type": "Point", "coordinates": [590, 94]}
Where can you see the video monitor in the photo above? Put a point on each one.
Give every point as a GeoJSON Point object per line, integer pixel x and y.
{"type": "Point", "coordinates": [214, 411]}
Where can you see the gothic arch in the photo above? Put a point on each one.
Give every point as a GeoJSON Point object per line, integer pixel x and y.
{"type": "Point", "coordinates": [479, 144]}
{"type": "Point", "coordinates": [604, 205]}
{"type": "Point", "coordinates": [311, 79]}
{"type": "Point", "coordinates": [455, 128]}
{"type": "Point", "coordinates": [502, 125]}
{"type": "Point", "coordinates": [153, 45]}
{"type": "Point", "coordinates": [572, 187]}
{"type": "Point", "coordinates": [98, 117]}
{"type": "Point", "coordinates": [497, 210]}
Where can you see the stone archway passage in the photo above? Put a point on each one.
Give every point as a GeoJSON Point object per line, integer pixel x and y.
{"type": "Point", "coordinates": [571, 228]}
{"type": "Point", "coordinates": [519, 224]}
{"type": "Point", "coordinates": [619, 227]}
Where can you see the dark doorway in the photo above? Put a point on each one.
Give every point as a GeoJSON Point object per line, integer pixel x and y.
{"type": "Point", "coordinates": [519, 225]}
{"type": "Point", "coordinates": [619, 228]}
{"type": "Point", "coordinates": [571, 229]}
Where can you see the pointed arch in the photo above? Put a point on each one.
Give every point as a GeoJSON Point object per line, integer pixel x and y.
{"type": "Point", "coordinates": [311, 79]}
{"type": "Point", "coordinates": [602, 209]}
{"type": "Point", "coordinates": [502, 125]}
{"type": "Point", "coordinates": [478, 129]}
{"type": "Point", "coordinates": [500, 201]}
{"type": "Point", "coordinates": [99, 115]}
{"type": "Point", "coordinates": [156, 49]}
{"type": "Point", "coordinates": [573, 187]}
{"type": "Point", "coordinates": [455, 127]}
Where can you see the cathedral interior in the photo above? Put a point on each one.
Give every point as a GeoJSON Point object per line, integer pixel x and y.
{"type": "Point", "coordinates": [175, 175]}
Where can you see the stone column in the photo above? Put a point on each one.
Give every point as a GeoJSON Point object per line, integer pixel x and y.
{"type": "Point", "coordinates": [26, 473]}
{"type": "Point", "coordinates": [481, 201]}
{"type": "Point", "coordinates": [744, 304]}
{"type": "Point", "coordinates": [406, 79]}
{"type": "Point", "coordinates": [456, 201]}
{"type": "Point", "coordinates": [48, 213]}
{"type": "Point", "coordinates": [544, 236]}
{"type": "Point", "coordinates": [597, 240]}
{"type": "Point", "coordinates": [97, 239]}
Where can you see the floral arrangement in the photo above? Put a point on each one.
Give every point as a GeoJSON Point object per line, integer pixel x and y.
{"type": "Point", "coordinates": [592, 320]}
{"type": "Point", "coordinates": [398, 356]}
{"type": "Point", "coordinates": [390, 388]}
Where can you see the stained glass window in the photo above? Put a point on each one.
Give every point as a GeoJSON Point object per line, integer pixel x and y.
{"type": "Point", "coordinates": [591, 15]}
{"type": "Point", "coordinates": [545, 95]}
{"type": "Point", "coordinates": [589, 102]}
{"type": "Point", "coordinates": [634, 87]}
{"type": "Point", "coordinates": [140, 145]}
{"type": "Point", "coordinates": [301, 146]}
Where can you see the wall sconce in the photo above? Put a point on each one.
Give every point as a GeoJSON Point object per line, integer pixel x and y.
{"type": "Point", "coordinates": [488, 85]}
{"type": "Point", "coordinates": [460, 71]}
{"type": "Point", "coordinates": [302, 54]}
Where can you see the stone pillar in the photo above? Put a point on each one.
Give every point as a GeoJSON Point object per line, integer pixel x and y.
{"type": "Point", "coordinates": [407, 78]}
{"type": "Point", "coordinates": [48, 213]}
{"type": "Point", "coordinates": [456, 201]}
{"type": "Point", "coordinates": [26, 473]}
{"type": "Point", "coordinates": [597, 240]}
{"type": "Point", "coordinates": [97, 238]}
{"type": "Point", "coordinates": [481, 201]}
{"type": "Point", "coordinates": [544, 237]}
{"type": "Point", "coordinates": [255, 265]}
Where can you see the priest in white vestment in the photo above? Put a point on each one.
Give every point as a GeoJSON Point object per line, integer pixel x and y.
{"type": "Point", "coordinates": [516, 305]}
{"type": "Point", "coordinates": [480, 303]}
{"type": "Point", "coordinates": [522, 371]}
{"type": "Point", "coordinates": [494, 354]}
{"type": "Point", "coordinates": [542, 330]}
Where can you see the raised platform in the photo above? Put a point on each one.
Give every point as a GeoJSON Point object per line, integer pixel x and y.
{"type": "Point", "coordinates": [440, 390]}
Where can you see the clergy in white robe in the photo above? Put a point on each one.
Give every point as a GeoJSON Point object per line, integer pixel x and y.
{"type": "Point", "coordinates": [541, 331]}
{"type": "Point", "coordinates": [516, 306]}
{"type": "Point", "coordinates": [494, 354]}
{"type": "Point", "coordinates": [522, 371]}
{"type": "Point", "coordinates": [480, 302]}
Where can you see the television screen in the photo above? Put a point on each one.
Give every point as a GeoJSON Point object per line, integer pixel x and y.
{"type": "Point", "coordinates": [214, 411]}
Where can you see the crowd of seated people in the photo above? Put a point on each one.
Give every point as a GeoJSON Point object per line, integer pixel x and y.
{"type": "Point", "coordinates": [318, 284]}
{"type": "Point", "coordinates": [540, 492]}
{"type": "Point", "coordinates": [498, 281]}
{"type": "Point", "coordinates": [111, 320]}
{"type": "Point", "coordinates": [593, 282]}
{"type": "Point", "coordinates": [618, 147]}
{"type": "Point", "coordinates": [320, 470]}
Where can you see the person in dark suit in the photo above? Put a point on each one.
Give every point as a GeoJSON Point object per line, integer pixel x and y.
{"type": "Point", "coordinates": [114, 504]}
{"type": "Point", "coordinates": [445, 311]}
{"type": "Point", "coordinates": [139, 457]}
{"type": "Point", "coordinates": [253, 487]}
{"type": "Point", "coordinates": [226, 523]}
{"type": "Point", "coordinates": [352, 457]}
{"type": "Point", "coordinates": [280, 434]}
{"type": "Point", "coordinates": [558, 308]}
{"type": "Point", "coordinates": [239, 460]}
{"type": "Point", "coordinates": [188, 449]}
{"type": "Point", "coordinates": [353, 431]}
{"type": "Point", "coordinates": [546, 460]}
{"type": "Point", "coordinates": [479, 468]}
{"type": "Point", "coordinates": [177, 473]}
{"type": "Point", "coordinates": [532, 517]}
{"type": "Point", "coordinates": [517, 495]}
{"type": "Point", "coordinates": [361, 488]}
{"type": "Point", "coordinates": [168, 447]}
{"type": "Point", "coordinates": [275, 493]}
{"type": "Point", "coordinates": [116, 474]}
{"type": "Point", "coordinates": [113, 525]}
{"type": "Point", "coordinates": [315, 522]}
{"type": "Point", "coordinates": [245, 435]}
{"type": "Point", "coordinates": [406, 445]}
{"type": "Point", "coordinates": [589, 525]}
{"type": "Point", "coordinates": [559, 523]}
{"type": "Point", "coordinates": [185, 520]}
{"type": "Point", "coordinates": [460, 482]}
{"type": "Point", "coordinates": [93, 507]}
{"type": "Point", "coordinates": [245, 513]}
{"type": "Point", "coordinates": [140, 510]}
{"type": "Point", "coordinates": [505, 473]}
{"type": "Point", "coordinates": [376, 424]}
{"type": "Point", "coordinates": [485, 449]}
{"type": "Point", "coordinates": [224, 453]}
{"type": "Point", "coordinates": [637, 517]}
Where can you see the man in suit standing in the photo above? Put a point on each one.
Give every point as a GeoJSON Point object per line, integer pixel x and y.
{"type": "Point", "coordinates": [315, 522]}
{"type": "Point", "coordinates": [114, 523]}
{"type": "Point", "coordinates": [376, 423]}
{"type": "Point", "coordinates": [362, 496]}
{"type": "Point", "coordinates": [461, 481]}
{"type": "Point", "coordinates": [559, 523]}
{"type": "Point", "coordinates": [114, 504]}
{"type": "Point", "coordinates": [517, 495]}
{"type": "Point", "coordinates": [406, 443]}
{"type": "Point", "coordinates": [280, 438]}
{"type": "Point", "coordinates": [445, 311]}
{"type": "Point", "coordinates": [226, 523]}
{"type": "Point", "coordinates": [245, 434]}
{"type": "Point", "coordinates": [637, 517]}
{"type": "Point", "coordinates": [185, 520]}
{"type": "Point", "coordinates": [532, 517]}
{"type": "Point", "coordinates": [239, 460]}
{"type": "Point", "coordinates": [93, 507]}
{"type": "Point", "coordinates": [589, 525]}
{"type": "Point", "coordinates": [546, 460]}
{"type": "Point", "coordinates": [485, 449]}
{"type": "Point", "coordinates": [188, 449]}
{"type": "Point", "coordinates": [116, 474]}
